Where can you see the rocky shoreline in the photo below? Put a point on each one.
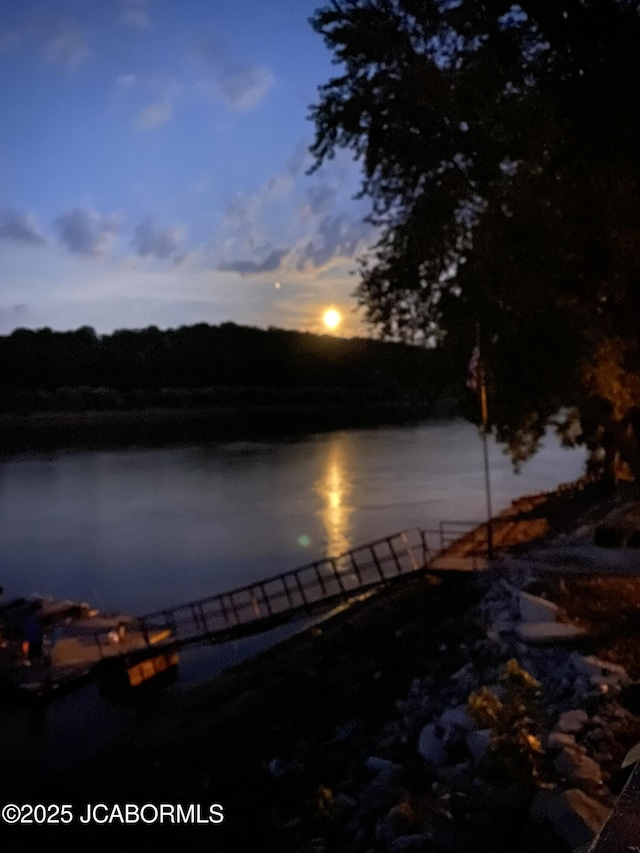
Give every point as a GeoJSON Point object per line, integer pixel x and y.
{"type": "Point", "coordinates": [429, 718]}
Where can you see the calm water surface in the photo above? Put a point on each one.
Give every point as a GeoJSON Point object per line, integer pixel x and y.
{"type": "Point", "coordinates": [140, 529]}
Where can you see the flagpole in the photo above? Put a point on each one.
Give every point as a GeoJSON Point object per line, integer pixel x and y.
{"type": "Point", "coordinates": [484, 414]}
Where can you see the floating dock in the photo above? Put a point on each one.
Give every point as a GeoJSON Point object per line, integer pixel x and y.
{"type": "Point", "coordinates": [78, 643]}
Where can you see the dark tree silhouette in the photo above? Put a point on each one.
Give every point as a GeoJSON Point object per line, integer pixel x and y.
{"type": "Point", "coordinates": [499, 148]}
{"type": "Point", "coordinates": [209, 365]}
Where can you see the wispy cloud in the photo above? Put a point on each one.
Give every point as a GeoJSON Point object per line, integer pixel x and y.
{"type": "Point", "coordinates": [151, 97]}
{"type": "Point", "coordinates": [312, 221]}
{"type": "Point", "coordinates": [338, 236]}
{"type": "Point", "coordinates": [56, 37]}
{"type": "Point", "coordinates": [125, 83]}
{"type": "Point", "coordinates": [300, 159]}
{"type": "Point", "coordinates": [154, 115]}
{"type": "Point", "coordinates": [20, 228]}
{"type": "Point", "coordinates": [244, 88]}
{"type": "Point", "coordinates": [241, 86]}
{"type": "Point", "coordinates": [270, 263]}
{"type": "Point", "coordinates": [135, 15]}
{"type": "Point", "coordinates": [320, 197]}
{"type": "Point", "coordinates": [65, 45]}
{"type": "Point", "coordinates": [247, 210]}
{"type": "Point", "coordinates": [85, 231]}
{"type": "Point", "coordinates": [152, 241]}
{"type": "Point", "coordinates": [210, 48]}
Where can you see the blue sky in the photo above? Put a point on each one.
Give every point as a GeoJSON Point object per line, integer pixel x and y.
{"type": "Point", "coordinates": [153, 168]}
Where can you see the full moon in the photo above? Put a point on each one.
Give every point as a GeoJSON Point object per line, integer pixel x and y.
{"type": "Point", "coordinates": [331, 318]}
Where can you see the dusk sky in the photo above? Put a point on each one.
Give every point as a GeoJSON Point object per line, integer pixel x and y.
{"type": "Point", "coordinates": [153, 168]}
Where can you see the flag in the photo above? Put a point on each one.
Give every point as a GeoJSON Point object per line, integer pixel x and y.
{"type": "Point", "coordinates": [476, 382]}
{"type": "Point", "coordinates": [474, 379]}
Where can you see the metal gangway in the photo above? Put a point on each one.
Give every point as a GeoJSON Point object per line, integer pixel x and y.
{"type": "Point", "coordinates": [307, 592]}
{"type": "Point", "coordinates": [265, 604]}
{"type": "Point", "coordinates": [151, 641]}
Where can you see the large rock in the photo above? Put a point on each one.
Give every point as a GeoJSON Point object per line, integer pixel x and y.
{"type": "Point", "coordinates": [465, 679]}
{"type": "Point", "coordinates": [400, 820]}
{"type": "Point", "coordinates": [457, 717]}
{"type": "Point", "coordinates": [430, 746]}
{"type": "Point", "coordinates": [578, 769]}
{"type": "Point", "coordinates": [575, 817]}
{"type": "Point", "coordinates": [536, 609]}
{"type": "Point", "coordinates": [559, 740]}
{"type": "Point", "coordinates": [382, 765]}
{"type": "Point", "coordinates": [571, 722]}
{"type": "Point", "coordinates": [478, 744]}
{"type": "Point", "coordinates": [542, 633]}
{"type": "Point", "coordinates": [600, 672]}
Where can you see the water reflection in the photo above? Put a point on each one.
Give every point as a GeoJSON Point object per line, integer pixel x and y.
{"type": "Point", "coordinates": [334, 487]}
{"type": "Point", "coordinates": [139, 530]}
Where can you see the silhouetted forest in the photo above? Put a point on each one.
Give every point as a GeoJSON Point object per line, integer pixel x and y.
{"type": "Point", "coordinates": [209, 366]}
{"type": "Point", "coordinates": [151, 386]}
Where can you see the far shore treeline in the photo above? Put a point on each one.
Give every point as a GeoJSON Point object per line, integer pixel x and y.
{"type": "Point", "coordinates": [205, 368]}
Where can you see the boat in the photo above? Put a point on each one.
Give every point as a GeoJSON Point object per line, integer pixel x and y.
{"type": "Point", "coordinates": [49, 646]}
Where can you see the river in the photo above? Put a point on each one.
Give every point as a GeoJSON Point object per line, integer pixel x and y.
{"type": "Point", "coordinates": [139, 529]}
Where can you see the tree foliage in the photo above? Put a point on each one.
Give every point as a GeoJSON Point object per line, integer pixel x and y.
{"type": "Point", "coordinates": [209, 365]}
{"type": "Point", "coordinates": [499, 148]}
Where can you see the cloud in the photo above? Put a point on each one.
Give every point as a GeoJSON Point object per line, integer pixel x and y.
{"type": "Point", "coordinates": [278, 187]}
{"type": "Point", "coordinates": [270, 263]}
{"type": "Point", "coordinates": [243, 210]}
{"type": "Point", "coordinates": [243, 88]}
{"type": "Point", "coordinates": [338, 236]}
{"type": "Point", "coordinates": [135, 15]}
{"type": "Point", "coordinates": [320, 197]}
{"type": "Point", "coordinates": [20, 228]}
{"type": "Point", "coordinates": [125, 82]}
{"type": "Point", "coordinates": [65, 45]}
{"type": "Point", "coordinates": [56, 37]}
{"type": "Point", "coordinates": [151, 241]}
{"type": "Point", "coordinates": [154, 115]}
{"type": "Point", "coordinates": [151, 96]}
{"type": "Point", "coordinates": [210, 48]}
{"type": "Point", "coordinates": [300, 160]}
{"type": "Point", "coordinates": [247, 211]}
{"type": "Point", "coordinates": [85, 231]}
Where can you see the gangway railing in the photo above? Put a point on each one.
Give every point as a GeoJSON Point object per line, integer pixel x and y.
{"type": "Point", "coordinates": [266, 603]}
{"type": "Point", "coordinates": [259, 606]}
